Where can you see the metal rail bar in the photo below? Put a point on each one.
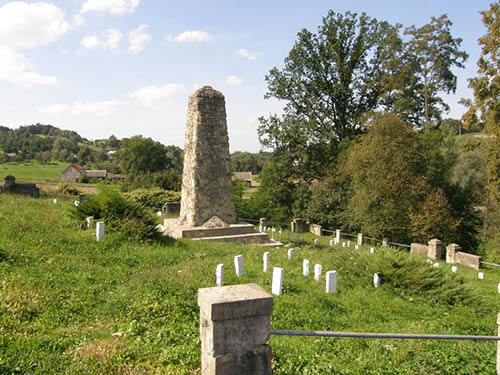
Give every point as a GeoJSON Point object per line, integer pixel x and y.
{"type": "Point", "coordinates": [382, 335]}
{"type": "Point", "coordinates": [491, 264]}
{"type": "Point", "coordinates": [399, 244]}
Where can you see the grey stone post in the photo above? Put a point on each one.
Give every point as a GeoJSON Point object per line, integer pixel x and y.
{"type": "Point", "coordinates": [360, 239]}
{"type": "Point", "coordinates": [262, 223]}
{"type": "Point", "coordinates": [435, 249]}
{"type": "Point", "coordinates": [385, 242]}
{"type": "Point", "coordinates": [451, 250]}
{"type": "Point", "coordinates": [234, 329]}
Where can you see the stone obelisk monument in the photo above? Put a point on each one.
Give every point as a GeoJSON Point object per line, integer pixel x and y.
{"type": "Point", "coordinates": [207, 195]}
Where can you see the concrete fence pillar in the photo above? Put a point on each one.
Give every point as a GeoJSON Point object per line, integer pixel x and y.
{"type": "Point", "coordinates": [262, 224]}
{"type": "Point", "coordinates": [234, 329]}
{"type": "Point", "coordinates": [435, 249]}
{"type": "Point", "coordinates": [360, 239]}
{"type": "Point", "coordinates": [451, 250]}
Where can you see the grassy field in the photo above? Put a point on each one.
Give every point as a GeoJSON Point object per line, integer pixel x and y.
{"type": "Point", "coordinates": [33, 171]}
{"type": "Point", "coordinates": [71, 305]}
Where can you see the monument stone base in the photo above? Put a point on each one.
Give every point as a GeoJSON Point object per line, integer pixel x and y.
{"type": "Point", "coordinates": [240, 233]}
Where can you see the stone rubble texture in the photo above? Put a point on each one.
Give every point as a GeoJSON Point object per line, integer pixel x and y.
{"type": "Point", "coordinates": [206, 179]}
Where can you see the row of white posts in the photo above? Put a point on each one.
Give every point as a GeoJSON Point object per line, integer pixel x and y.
{"type": "Point", "coordinates": [278, 273]}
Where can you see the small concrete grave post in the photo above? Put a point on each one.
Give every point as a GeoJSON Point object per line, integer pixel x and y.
{"type": "Point", "coordinates": [376, 280]}
{"type": "Point", "coordinates": [316, 242]}
{"type": "Point", "coordinates": [89, 220]}
{"type": "Point", "coordinates": [435, 265]}
{"type": "Point", "coordinates": [331, 282]}
{"type": "Point", "coordinates": [305, 268]}
{"type": "Point", "coordinates": [273, 229]}
{"type": "Point", "coordinates": [238, 265]}
{"type": "Point", "coordinates": [332, 242]}
{"type": "Point", "coordinates": [159, 213]}
{"type": "Point", "coordinates": [356, 247]}
{"type": "Point", "coordinates": [372, 250]}
{"type": "Point", "coordinates": [220, 274]}
{"type": "Point", "coordinates": [317, 272]}
{"type": "Point", "coordinates": [385, 242]}
{"type": "Point", "coordinates": [234, 330]}
{"type": "Point", "coordinates": [498, 287]}
{"type": "Point", "coordinates": [343, 244]}
{"type": "Point", "coordinates": [360, 239]}
{"type": "Point", "coordinates": [266, 261]}
{"type": "Point", "coordinates": [290, 253]}
{"type": "Point", "coordinates": [76, 203]}
{"type": "Point", "coordinates": [55, 201]}
{"type": "Point", "coordinates": [348, 243]}
{"type": "Point", "coordinates": [454, 269]}
{"type": "Point", "coordinates": [338, 235]}
{"type": "Point", "coordinates": [480, 275]}
{"type": "Point", "coordinates": [99, 230]}
{"type": "Point", "coordinates": [277, 287]}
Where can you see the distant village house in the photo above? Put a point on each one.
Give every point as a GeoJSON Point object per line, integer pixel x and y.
{"type": "Point", "coordinates": [74, 171]}
{"type": "Point", "coordinates": [246, 177]}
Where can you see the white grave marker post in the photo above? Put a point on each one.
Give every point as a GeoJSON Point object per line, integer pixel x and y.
{"type": "Point", "coordinates": [316, 242]}
{"type": "Point", "coordinates": [238, 265]}
{"type": "Point", "coordinates": [435, 265]}
{"type": "Point", "coordinates": [89, 221]}
{"type": "Point", "coordinates": [272, 232]}
{"type": "Point", "coordinates": [305, 267]}
{"type": "Point", "coordinates": [372, 250]}
{"type": "Point", "coordinates": [99, 230]}
{"type": "Point", "coordinates": [220, 274]}
{"type": "Point", "coordinates": [266, 261]}
{"type": "Point", "coordinates": [348, 243]}
{"type": "Point", "coordinates": [332, 242]}
{"type": "Point", "coordinates": [454, 269]}
{"type": "Point", "coordinates": [317, 272]}
{"type": "Point", "coordinates": [277, 281]}
{"type": "Point", "coordinates": [498, 287]}
{"type": "Point", "coordinates": [55, 201]}
{"type": "Point", "coordinates": [77, 203]}
{"type": "Point", "coordinates": [343, 244]}
{"type": "Point", "coordinates": [480, 275]}
{"type": "Point", "coordinates": [356, 247]}
{"type": "Point", "coordinates": [290, 254]}
{"type": "Point", "coordinates": [158, 213]}
{"type": "Point", "coordinates": [331, 282]}
{"type": "Point", "coordinates": [376, 280]}
{"type": "Point", "coordinates": [280, 232]}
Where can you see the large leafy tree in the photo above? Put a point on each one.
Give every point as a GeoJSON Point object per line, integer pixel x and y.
{"type": "Point", "coordinates": [432, 52]}
{"type": "Point", "coordinates": [142, 155]}
{"type": "Point", "coordinates": [330, 80]}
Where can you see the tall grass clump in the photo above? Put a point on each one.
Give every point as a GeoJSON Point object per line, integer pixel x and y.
{"type": "Point", "coordinates": [119, 213]}
{"type": "Point", "coordinates": [153, 198]}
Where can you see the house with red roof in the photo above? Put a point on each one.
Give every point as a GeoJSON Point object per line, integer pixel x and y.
{"type": "Point", "coordinates": [72, 173]}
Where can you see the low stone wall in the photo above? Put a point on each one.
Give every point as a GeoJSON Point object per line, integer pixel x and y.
{"type": "Point", "coordinates": [469, 260]}
{"type": "Point", "coordinates": [316, 229]}
{"type": "Point", "coordinates": [418, 248]}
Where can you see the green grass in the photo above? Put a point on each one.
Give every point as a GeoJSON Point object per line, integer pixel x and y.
{"type": "Point", "coordinates": [71, 305]}
{"type": "Point", "coordinates": [34, 171]}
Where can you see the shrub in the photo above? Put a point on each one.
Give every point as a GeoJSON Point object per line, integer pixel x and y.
{"type": "Point", "coordinates": [120, 214]}
{"type": "Point", "coordinates": [154, 198]}
{"type": "Point", "coordinates": [65, 188]}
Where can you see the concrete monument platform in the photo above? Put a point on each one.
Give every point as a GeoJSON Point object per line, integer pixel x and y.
{"type": "Point", "coordinates": [207, 209]}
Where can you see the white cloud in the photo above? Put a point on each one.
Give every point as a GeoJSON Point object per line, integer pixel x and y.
{"type": "Point", "coordinates": [108, 39]}
{"type": "Point", "coordinates": [24, 25]}
{"type": "Point", "coordinates": [138, 38]}
{"type": "Point", "coordinates": [155, 96]}
{"type": "Point", "coordinates": [234, 80]}
{"type": "Point", "coordinates": [78, 20]}
{"type": "Point", "coordinates": [118, 7]}
{"type": "Point", "coordinates": [89, 42]}
{"type": "Point", "coordinates": [78, 108]}
{"type": "Point", "coordinates": [247, 54]}
{"type": "Point", "coordinates": [111, 38]}
{"type": "Point", "coordinates": [17, 69]}
{"type": "Point", "coordinates": [196, 36]}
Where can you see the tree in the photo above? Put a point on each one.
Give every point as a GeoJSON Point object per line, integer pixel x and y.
{"type": "Point", "coordinates": [142, 155]}
{"type": "Point", "coordinates": [329, 82]}
{"type": "Point", "coordinates": [387, 182]}
{"type": "Point", "coordinates": [434, 52]}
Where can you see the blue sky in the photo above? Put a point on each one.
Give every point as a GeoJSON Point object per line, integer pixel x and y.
{"type": "Point", "coordinates": [127, 67]}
